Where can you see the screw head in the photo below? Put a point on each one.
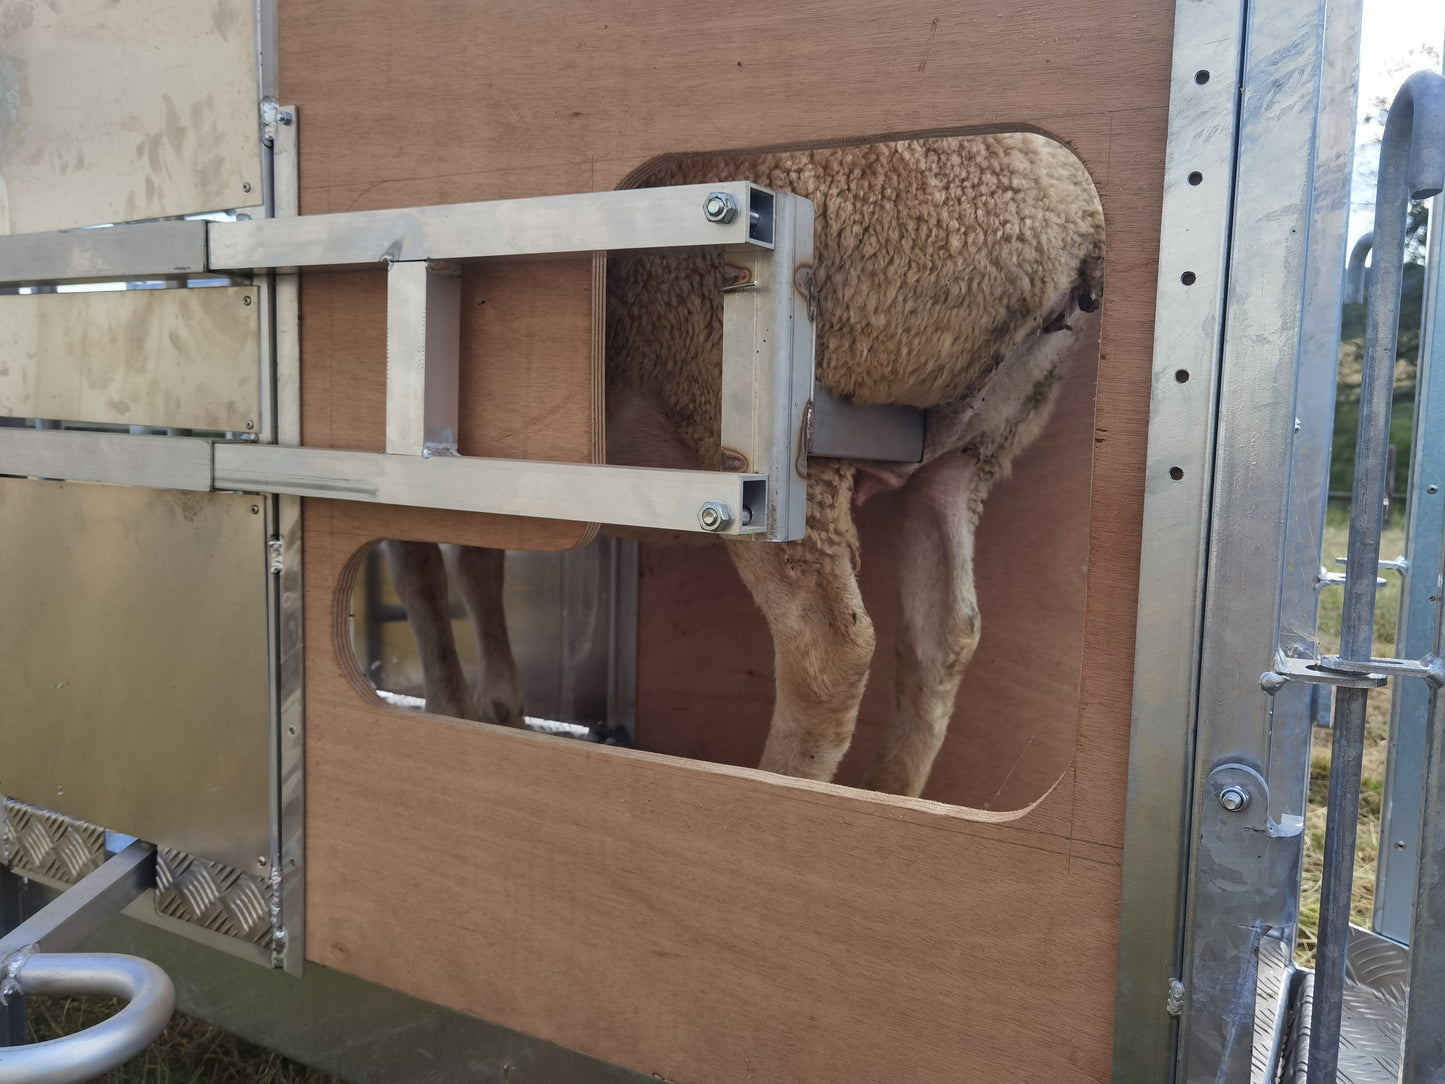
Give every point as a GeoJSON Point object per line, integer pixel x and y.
{"type": "Point", "coordinates": [714, 516]}
{"type": "Point", "coordinates": [1234, 798]}
{"type": "Point", "coordinates": [720, 207]}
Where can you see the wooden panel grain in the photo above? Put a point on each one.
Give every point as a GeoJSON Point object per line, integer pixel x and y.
{"type": "Point", "coordinates": [709, 923]}
{"type": "Point", "coordinates": [705, 686]}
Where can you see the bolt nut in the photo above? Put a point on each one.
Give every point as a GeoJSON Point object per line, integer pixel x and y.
{"type": "Point", "coordinates": [1234, 798]}
{"type": "Point", "coordinates": [714, 516]}
{"type": "Point", "coordinates": [720, 207]}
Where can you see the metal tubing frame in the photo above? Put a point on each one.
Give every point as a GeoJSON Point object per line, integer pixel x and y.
{"type": "Point", "coordinates": [767, 358]}
{"type": "Point", "coordinates": [34, 960]}
{"type": "Point", "coordinates": [101, 1047]}
{"type": "Point", "coordinates": [1412, 165]}
{"type": "Point", "coordinates": [1425, 525]}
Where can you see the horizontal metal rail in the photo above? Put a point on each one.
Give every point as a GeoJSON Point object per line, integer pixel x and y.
{"type": "Point", "coordinates": [588, 222]}
{"type": "Point", "coordinates": [673, 500]}
{"type": "Point", "coordinates": [676, 217]}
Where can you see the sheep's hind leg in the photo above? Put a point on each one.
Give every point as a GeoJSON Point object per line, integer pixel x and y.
{"type": "Point", "coordinates": [479, 576]}
{"type": "Point", "coordinates": [822, 636]}
{"type": "Point", "coordinates": [938, 617]}
{"type": "Point", "coordinates": [420, 578]}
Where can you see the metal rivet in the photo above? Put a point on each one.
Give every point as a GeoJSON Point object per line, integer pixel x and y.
{"type": "Point", "coordinates": [1196, 177]}
{"type": "Point", "coordinates": [261, 861]}
{"type": "Point", "coordinates": [1399, 844]}
{"type": "Point", "coordinates": [1432, 489]}
{"type": "Point", "coordinates": [1233, 798]}
{"type": "Point", "coordinates": [1189, 278]}
{"type": "Point", "coordinates": [246, 300]}
{"type": "Point", "coordinates": [250, 424]}
{"type": "Point", "coordinates": [1201, 77]}
{"type": "Point", "coordinates": [245, 186]}
{"type": "Point", "coordinates": [720, 207]}
{"type": "Point", "coordinates": [714, 516]}
{"type": "Point", "coordinates": [1177, 473]}
{"type": "Point", "coordinates": [255, 509]}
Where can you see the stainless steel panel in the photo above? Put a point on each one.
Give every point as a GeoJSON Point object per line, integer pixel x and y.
{"type": "Point", "coordinates": [136, 659]}
{"type": "Point", "coordinates": [1194, 236]}
{"type": "Point", "coordinates": [118, 458]}
{"type": "Point", "coordinates": [182, 358]}
{"type": "Point", "coordinates": [142, 251]}
{"type": "Point", "coordinates": [586, 222]}
{"type": "Point", "coordinates": [640, 496]}
{"type": "Point", "coordinates": [118, 110]}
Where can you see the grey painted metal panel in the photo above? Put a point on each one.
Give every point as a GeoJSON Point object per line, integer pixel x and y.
{"type": "Point", "coordinates": [118, 110]}
{"type": "Point", "coordinates": [135, 695]}
{"type": "Point", "coordinates": [179, 358]}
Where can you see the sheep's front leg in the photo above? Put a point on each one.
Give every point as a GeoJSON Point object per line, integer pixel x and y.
{"type": "Point", "coordinates": [420, 577]}
{"type": "Point", "coordinates": [938, 626]}
{"type": "Point", "coordinates": [822, 636]}
{"type": "Point", "coordinates": [479, 576]}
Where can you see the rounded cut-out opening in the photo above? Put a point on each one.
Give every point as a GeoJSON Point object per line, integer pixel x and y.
{"type": "Point", "coordinates": [705, 660]}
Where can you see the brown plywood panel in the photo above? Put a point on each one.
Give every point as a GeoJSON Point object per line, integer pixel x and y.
{"type": "Point", "coordinates": [705, 683]}
{"type": "Point", "coordinates": [706, 922]}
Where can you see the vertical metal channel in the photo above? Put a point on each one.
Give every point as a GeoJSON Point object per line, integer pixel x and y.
{"type": "Point", "coordinates": [1425, 523]}
{"type": "Point", "coordinates": [1244, 859]}
{"type": "Point", "coordinates": [1194, 236]}
{"type": "Point", "coordinates": [766, 325]}
{"type": "Point", "coordinates": [283, 200]}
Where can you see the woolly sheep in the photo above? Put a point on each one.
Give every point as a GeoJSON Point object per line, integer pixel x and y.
{"type": "Point", "coordinates": [947, 271]}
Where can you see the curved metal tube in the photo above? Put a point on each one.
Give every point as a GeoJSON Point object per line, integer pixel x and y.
{"type": "Point", "coordinates": [1355, 270]}
{"type": "Point", "coordinates": [1412, 166]}
{"type": "Point", "coordinates": [102, 1047]}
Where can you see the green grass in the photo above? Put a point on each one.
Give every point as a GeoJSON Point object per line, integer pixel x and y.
{"type": "Point", "coordinates": [1372, 772]}
{"type": "Point", "coordinates": [187, 1052]}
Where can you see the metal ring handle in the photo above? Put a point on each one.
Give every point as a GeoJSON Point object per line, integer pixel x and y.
{"type": "Point", "coordinates": [102, 1046]}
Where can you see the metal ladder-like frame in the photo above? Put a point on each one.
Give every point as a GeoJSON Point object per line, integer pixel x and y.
{"type": "Point", "coordinates": [35, 959]}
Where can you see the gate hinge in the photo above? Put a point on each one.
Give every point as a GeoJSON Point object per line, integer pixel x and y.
{"type": "Point", "coordinates": [1175, 1005]}
{"type": "Point", "coordinates": [276, 555]}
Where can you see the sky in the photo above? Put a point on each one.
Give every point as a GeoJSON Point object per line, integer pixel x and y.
{"type": "Point", "coordinates": [1397, 38]}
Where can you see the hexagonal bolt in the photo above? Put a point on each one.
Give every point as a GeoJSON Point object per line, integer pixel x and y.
{"type": "Point", "coordinates": [720, 207]}
{"type": "Point", "coordinates": [1234, 799]}
{"type": "Point", "coordinates": [714, 516]}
